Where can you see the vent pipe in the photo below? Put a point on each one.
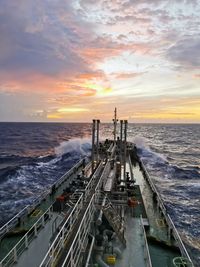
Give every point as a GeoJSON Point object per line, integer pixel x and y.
{"type": "Point", "coordinates": [93, 143]}
{"type": "Point", "coordinates": [121, 138]}
{"type": "Point", "coordinates": [98, 122]}
{"type": "Point", "coordinates": [125, 146]}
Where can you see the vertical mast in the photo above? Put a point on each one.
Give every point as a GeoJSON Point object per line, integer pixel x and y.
{"type": "Point", "coordinates": [115, 124]}
{"type": "Point", "coordinates": [93, 143]}
{"type": "Point", "coordinates": [121, 139]}
{"type": "Point", "coordinates": [98, 122]}
{"type": "Point", "coordinates": [125, 146]}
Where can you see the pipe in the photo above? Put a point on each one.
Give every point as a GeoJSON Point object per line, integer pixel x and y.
{"type": "Point", "coordinates": [98, 121]}
{"type": "Point", "coordinates": [90, 251]}
{"type": "Point", "coordinates": [117, 252]}
{"type": "Point", "coordinates": [122, 213]}
{"type": "Point", "coordinates": [100, 261]}
{"type": "Point", "coordinates": [99, 219]}
{"type": "Point", "coordinates": [125, 138]}
{"type": "Point", "coordinates": [121, 137]}
{"type": "Point", "coordinates": [93, 141]}
{"type": "Point", "coordinates": [108, 233]}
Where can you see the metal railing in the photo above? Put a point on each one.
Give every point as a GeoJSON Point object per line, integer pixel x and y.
{"type": "Point", "coordinates": [178, 239]}
{"type": "Point", "coordinates": [24, 242]}
{"type": "Point", "coordinates": [154, 189]}
{"type": "Point", "coordinates": [147, 256]}
{"type": "Point", "coordinates": [11, 223]}
{"type": "Point", "coordinates": [28, 209]}
{"type": "Point", "coordinates": [91, 184]}
{"type": "Point", "coordinates": [73, 256]}
{"type": "Point", "coordinates": [58, 244]}
{"type": "Point", "coordinates": [60, 240]}
{"type": "Point", "coordinates": [167, 217]}
{"type": "Point", "coordinates": [68, 173]}
{"type": "Point", "coordinates": [105, 173]}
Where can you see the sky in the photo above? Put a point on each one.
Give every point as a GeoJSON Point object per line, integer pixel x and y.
{"type": "Point", "coordinates": [75, 60]}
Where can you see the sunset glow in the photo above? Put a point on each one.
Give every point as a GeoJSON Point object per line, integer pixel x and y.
{"type": "Point", "coordinates": [71, 110]}
{"type": "Point", "coordinates": [75, 60]}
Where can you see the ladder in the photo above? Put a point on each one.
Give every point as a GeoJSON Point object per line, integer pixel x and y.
{"type": "Point", "coordinates": [114, 220]}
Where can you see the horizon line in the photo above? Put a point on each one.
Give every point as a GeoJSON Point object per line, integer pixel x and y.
{"type": "Point", "coordinates": [110, 122]}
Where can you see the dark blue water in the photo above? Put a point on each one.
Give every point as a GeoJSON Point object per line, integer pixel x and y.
{"type": "Point", "coordinates": [34, 155]}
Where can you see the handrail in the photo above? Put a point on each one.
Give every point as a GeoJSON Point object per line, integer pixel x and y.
{"type": "Point", "coordinates": [69, 172]}
{"type": "Point", "coordinates": [154, 188]}
{"type": "Point", "coordinates": [61, 237]}
{"type": "Point", "coordinates": [109, 150]}
{"type": "Point", "coordinates": [12, 222]}
{"type": "Point", "coordinates": [104, 174]}
{"type": "Point", "coordinates": [91, 183]}
{"type": "Point", "coordinates": [23, 243]}
{"type": "Point", "coordinates": [167, 217]}
{"type": "Point", "coordinates": [146, 247]}
{"type": "Point", "coordinates": [58, 242]}
{"type": "Point", "coordinates": [6, 227]}
{"type": "Point", "coordinates": [178, 239]}
{"type": "Point", "coordinates": [90, 252]}
{"type": "Point", "coordinates": [77, 242]}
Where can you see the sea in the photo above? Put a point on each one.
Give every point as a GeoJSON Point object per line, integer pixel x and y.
{"type": "Point", "coordinates": [34, 155]}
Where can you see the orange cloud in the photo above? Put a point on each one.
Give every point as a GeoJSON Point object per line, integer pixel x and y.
{"type": "Point", "coordinates": [128, 75]}
{"type": "Point", "coordinates": [196, 76]}
{"type": "Point", "coordinates": [97, 75]}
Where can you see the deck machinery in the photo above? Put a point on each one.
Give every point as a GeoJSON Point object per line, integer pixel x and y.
{"type": "Point", "coordinates": [103, 212]}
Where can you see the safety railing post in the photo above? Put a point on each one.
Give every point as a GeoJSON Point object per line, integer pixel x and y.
{"type": "Point", "coordinates": [43, 223]}
{"type": "Point", "coordinates": [26, 241]}
{"type": "Point", "coordinates": [15, 254]}
{"type": "Point", "coordinates": [35, 230]}
{"type": "Point", "coordinates": [63, 239]}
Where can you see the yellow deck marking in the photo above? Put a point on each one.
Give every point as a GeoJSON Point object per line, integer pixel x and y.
{"type": "Point", "coordinates": [160, 223]}
{"type": "Point", "coordinates": [36, 213]}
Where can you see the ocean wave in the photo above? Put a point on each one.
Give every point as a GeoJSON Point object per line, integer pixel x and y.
{"type": "Point", "coordinates": [160, 164]}
{"type": "Point", "coordinates": [24, 183]}
{"type": "Point", "coordinates": [77, 145]}
{"type": "Point", "coordinates": [36, 155]}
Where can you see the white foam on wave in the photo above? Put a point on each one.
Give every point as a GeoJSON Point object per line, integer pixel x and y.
{"type": "Point", "coordinates": [142, 143]}
{"type": "Point", "coordinates": [78, 145]}
{"type": "Point", "coordinates": [50, 164]}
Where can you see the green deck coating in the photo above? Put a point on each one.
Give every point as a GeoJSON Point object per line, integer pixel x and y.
{"type": "Point", "coordinates": [139, 208]}
{"type": "Point", "coordinates": [10, 240]}
{"type": "Point", "coordinates": [162, 256]}
{"type": "Point", "coordinates": [161, 251]}
{"type": "Point", "coordinates": [161, 247]}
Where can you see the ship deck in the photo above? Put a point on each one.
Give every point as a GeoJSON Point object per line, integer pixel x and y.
{"type": "Point", "coordinates": [146, 231]}
{"type": "Point", "coordinates": [162, 250]}
{"type": "Point", "coordinates": [33, 256]}
{"type": "Point", "coordinates": [11, 239]}
{"type": "Point", "coordinates": [133, 254]}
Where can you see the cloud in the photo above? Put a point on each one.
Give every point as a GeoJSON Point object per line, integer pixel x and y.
{"type": "Point", "coordinates": [196, 76]}
{"type": "Point", "coordinates": [128, 75]}
{"type": "Point", "coordinates": [37, 43]}
{"type": "Point", "coordinates": [59, 54]}
{"type": "Point", "coordinates": [186, 53]}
